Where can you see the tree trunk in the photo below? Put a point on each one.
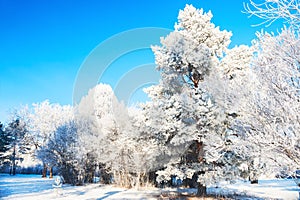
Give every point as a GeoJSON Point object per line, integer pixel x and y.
{"type": "Point", "coordinates": [44, 173]}
{"type": "Point", "coordinates": [14, 161]}
{"type": "Point", "coordinates": [90, 173]}
{"type": "Point", "coordinates": [253, 179]}
{"type": "Point", "coordinates": [51, 172]}
{"type": "Point", "coordinates": [201, 190]}
{"type": "Point", "coordinates": [105, 177]}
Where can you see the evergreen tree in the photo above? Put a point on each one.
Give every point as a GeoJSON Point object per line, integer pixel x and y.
{"type": "Point", "coordinates": [17, 132]}
{"type": "Point", "coordinates": [5, 142]}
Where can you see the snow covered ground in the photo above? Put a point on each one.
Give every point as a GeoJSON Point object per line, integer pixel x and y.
{"type": "Point", "coordinates": [34, 187]}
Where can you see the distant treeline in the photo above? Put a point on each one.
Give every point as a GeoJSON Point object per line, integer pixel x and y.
{"type": "Point", "coordinates": [38, 169]}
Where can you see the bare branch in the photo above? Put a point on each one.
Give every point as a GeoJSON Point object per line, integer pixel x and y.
{"type": "Point", "coordinates": [271, 10]}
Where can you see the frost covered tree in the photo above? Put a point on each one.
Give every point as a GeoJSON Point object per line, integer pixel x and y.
{"type": "Point", "coordinates": [107, 134]}
{"type": "Point", "coordinates": [266, 105]}
{"type": "Point", "coordinates": [5, 141]}
{"type": "Point", "coordinates": [207, 98]}
{"type": "Point", "coordinates": [191, 61]}
{"type": "Point", "coordinates": [17, 131]}
{"type": "Point", "coordinates": [276, 105]}
{"type": "Point", "coordinates": [95, 112]}
{"type": "Point", "coordinates": [65, 150]}
{"type": "Point", "coordinates": [274, 112]}
{"type": "Point", "coordinates": [44, 121]}
{"type": "Point", "coordinates": [234, 95]}
{"type": "Point", "coordinates": [113, 136]}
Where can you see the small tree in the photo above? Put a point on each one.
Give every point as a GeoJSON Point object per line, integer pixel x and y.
{"type": "Point", "coordinates": [44, 120]}
{"type": "Point", "coordinates": [106, 123]}
{"type": "Point", "coordinates": [5, 141]}
{"type": "Point", "coordinates": [64, 149]}
{"type": "Point", "coordinates": [112, 136]}
{"type": "Point", "coordinates": [17, 131]}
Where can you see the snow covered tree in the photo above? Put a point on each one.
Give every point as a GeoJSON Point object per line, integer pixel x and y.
{"type": "Point", "coordinates": [44, 121]}
{"type": "Point", "coordinates": [275, 111]}
{"type": "Point", "coordinates": [65, 150]}
{"type": "Point", "coordinates": [189, 59]}
{"type": "Point", "coordinates": [107, 122]}
{"type": "Point", "coordinates": [264, 111]}
{"type": "Point", "coordinates": [218, 91]}
{"type": "Point", "coordinates": [112, 136]}
{"type": "Point", "coordinates": [5, 141]}
{"type": "Point", "coordinates": [234, 95]}
{"type": "Point", "coordinates": [17, 131]}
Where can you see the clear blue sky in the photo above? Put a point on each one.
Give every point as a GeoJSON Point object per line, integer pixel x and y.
{"type": "Point", "coordinates": [44, 42]}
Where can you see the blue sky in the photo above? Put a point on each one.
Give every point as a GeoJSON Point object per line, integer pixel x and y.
{"type": "Point", "coordinates": [43, 43]}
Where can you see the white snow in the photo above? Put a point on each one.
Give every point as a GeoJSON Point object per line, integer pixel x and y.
{"type": "Point", "coordinates": [30, 187]}
{"type": "Point", "coordinates": [266, 189]}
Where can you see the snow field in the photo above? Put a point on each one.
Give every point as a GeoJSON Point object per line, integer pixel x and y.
{"type": "Point", "coordinates": [31, 187]}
